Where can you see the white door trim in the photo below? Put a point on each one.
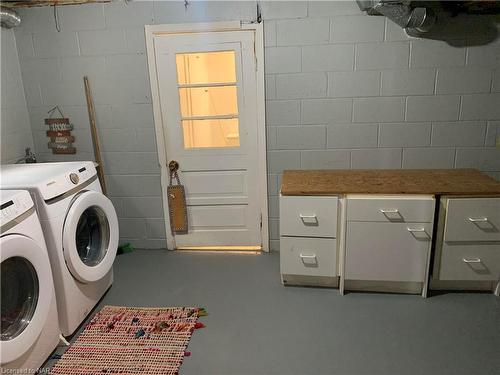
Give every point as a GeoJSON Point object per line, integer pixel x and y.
{"type": "Point", "coordinates": [151, 31]}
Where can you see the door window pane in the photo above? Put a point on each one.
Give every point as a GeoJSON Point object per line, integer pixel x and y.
{"type": "Point", "coordinates": [19, 296]}
{"type": "Point", "coordinates": [208, 101]}
{"type": "Point", "coordinates": [208, 97]}
{"type": "Point", "coordinates": [92, 236]}
{"type": "Point", "coordinates": [210, 133]}
{"type": "Point", "coordinates": [206, 67]}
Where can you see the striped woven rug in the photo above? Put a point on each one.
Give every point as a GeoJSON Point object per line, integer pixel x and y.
{"type": "Point", "coordinates": [131, 340]}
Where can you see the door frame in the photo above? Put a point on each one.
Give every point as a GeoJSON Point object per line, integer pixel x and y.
{"type": "Point", "coordinates": [153, 30]}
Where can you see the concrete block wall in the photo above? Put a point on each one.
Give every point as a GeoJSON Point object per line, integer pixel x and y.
{"type": "Point", "coordinates": [346, 90]}
{"type": "Point", "coordinates": [106, 42]}
{"type": "Point", "coordinates": [15, 129]}
{"type": "Point", "coordinates": [343, 90]}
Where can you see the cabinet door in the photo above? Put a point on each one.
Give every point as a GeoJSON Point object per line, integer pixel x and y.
{"type": "Point", "coordinates": [402, 209]}
{"type": "Point", "coordinates": [387, 251]}
{"type": "Point", "coordinates": [308, 256]}
{"type": "Point", "coordinates": [308, 216]}
{"type": "Point", "coordinates": [470, 261]}
{"type": "Point", "coordinates": [473, 219]}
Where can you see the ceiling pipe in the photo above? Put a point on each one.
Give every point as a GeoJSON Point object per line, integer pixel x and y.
{"type": "Point", "coordinates": [419, 18]}
{"type": "Point", "coordinates": [9, 18]}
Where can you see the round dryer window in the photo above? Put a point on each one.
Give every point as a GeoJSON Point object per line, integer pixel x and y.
{"type": "Point", "coordinates": [19, 296]}
{"type": "Point", "coordinates": [92, 236]}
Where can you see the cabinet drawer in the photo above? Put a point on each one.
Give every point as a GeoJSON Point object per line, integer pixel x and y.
{"type": "Point", "coordinates": [308, 216]}
{"type": "Point", "coordinates": [394, 209]}
{"type": "Point", "coordinates": [387, 251]}
{"type": "Point", "coordinates": [308, 256]}
{"type": "Point", "coordinates": [479, 261]}
{"type": "Point", "coordinates": [472, 219]}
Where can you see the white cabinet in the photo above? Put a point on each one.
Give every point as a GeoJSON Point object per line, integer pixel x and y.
{"type": "Point", "coordinates": [374, 230]}
{"type": "Point", "coordinates": [466, 261]}
{"type": "Point", "coordinates": [308, 216]}
{"type": "Point", "coordinates": [472, 219]}
{"type": "Point", "coordinates": [394, 209]}
{"type": "Point", "coordinates": [308, 240]}
{"type": "Point", "coordinates": [308, 256]}
{"type": "Point", "coordinates": [468, 245]}
{"type": "Point", "coordinates": [388, 240]}
{"type": "Point", "coordinates": [387, 251]}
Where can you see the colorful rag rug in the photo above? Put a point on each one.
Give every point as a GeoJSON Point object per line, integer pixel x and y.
{"type": "Point", "coordinates": [132, 340]}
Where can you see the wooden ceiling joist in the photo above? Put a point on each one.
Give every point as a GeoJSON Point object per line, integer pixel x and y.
{"type": "Point", "coordinates": [41, 3]}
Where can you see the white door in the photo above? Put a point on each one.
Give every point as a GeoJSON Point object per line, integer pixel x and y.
{"type": "Point", "coordinates": [90, 236]}
{"type": "Point", "coordinates": [208, 98]}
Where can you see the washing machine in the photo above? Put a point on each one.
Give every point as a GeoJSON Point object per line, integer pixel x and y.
{"type": "Point", "coordinates": [29, 321]}
{"type": "Point", "coordinates": [81, 231]}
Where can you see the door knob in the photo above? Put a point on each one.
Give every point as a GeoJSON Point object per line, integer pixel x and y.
{"type": "Point", "coordinates": [173, 166]}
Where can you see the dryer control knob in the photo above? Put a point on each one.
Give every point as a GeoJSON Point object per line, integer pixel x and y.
{"type": "Point", "coordinates": [74, 178]}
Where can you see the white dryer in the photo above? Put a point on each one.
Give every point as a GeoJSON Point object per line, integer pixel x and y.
{"type": "Point", "coordinates": [29, 321]}
{"type": "Point", "coordinates": [80, 228]}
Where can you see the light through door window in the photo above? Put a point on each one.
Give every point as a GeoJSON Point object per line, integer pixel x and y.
{"type": "Point", "coordinates": [208, 99]}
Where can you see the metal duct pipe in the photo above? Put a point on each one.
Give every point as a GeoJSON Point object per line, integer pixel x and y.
{"type": "Point", "coordinates": [420, 18]}
{"type": "Point", "coordinates": [9, 18]}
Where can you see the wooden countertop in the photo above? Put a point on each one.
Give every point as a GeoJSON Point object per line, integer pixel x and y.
{"type": "Point", "coordinates": [400, 181]}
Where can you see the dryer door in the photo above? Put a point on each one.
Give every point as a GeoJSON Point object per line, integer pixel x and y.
{"type": "Point", "coordinates": [25, 299]}
{"type": "Point", "coordinates": [90, 236]}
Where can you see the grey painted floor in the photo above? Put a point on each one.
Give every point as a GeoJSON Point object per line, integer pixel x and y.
{"type": "Point", "coordinates": [257, 326]}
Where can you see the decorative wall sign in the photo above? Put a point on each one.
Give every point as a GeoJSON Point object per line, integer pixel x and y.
{"type": "Point", "coordinates": [59, 133]}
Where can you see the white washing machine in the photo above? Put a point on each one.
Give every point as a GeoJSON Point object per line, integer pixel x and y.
{"type": "Point", "coordinates": [29, 321]}
{"type": "Point", "coordinates": [81, 231]}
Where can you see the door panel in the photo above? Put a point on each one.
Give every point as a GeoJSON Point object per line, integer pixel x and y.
{"type": "Point", "coordinates": [227, 216]}
{"type": "Point", "coordinates": [218, 225]}
{"type": "Point", "coordinates": [227, 187]}
{"type": "Point", "coordinates": [207, 89]}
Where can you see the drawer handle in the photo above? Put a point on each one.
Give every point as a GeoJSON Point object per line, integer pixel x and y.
{"type": "Point", "coordinates": [472, 260]}
{"type": "Point", "coordinates": [306, 256]}
{"type": "Point", "coordinates": [415, 229]}
{"type": "Point", "coordinates": [309, 219]}
{"type": "Point", "coordinates": [419, 234]}
{"type": "Point", "coordinates": [393, 211]}
{"type": "Point", "coordinates": [308, 216]}
{"type": "Point", "coordinates": [478, 219]}
{"type": "Point", "coordinates": [309, 260]}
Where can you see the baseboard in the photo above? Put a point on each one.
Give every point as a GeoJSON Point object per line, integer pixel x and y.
{"type": "Point", "coordinates": [384, 286]}
{"type": "Point", "coordinates": [461, 285]}
{"type": "Point", "coordinates": [301, 280]}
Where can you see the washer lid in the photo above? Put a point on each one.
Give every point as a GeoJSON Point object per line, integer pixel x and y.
{"type": "Point", "coordinates": [27, 294]}
{"type": "Point", "coordinates": [90, 236]}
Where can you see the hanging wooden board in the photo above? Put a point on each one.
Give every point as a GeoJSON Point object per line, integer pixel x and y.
{"type": "Point", "coordinates": [64, 139]}
{"type": "Point", "coordinates": [62, 133]}
{"type": "Point", "coordinates": [59, 133]}
{"type": "Point", "coordinates": [60, 127]}
{"type": "Point", "coordinates": [65, 151]}
{"type": "Point", "coordinates": [57, 120]}
{"type": "Point", "coordinates": [60, 145]}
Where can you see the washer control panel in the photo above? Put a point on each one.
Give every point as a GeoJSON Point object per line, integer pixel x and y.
{"type": "Point", "coordinates": [64, 182]}
{"type": "Point", "coordinates": [13, 204]}
{"type": "Point", "coordinates": [73, 177]}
